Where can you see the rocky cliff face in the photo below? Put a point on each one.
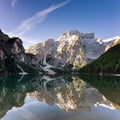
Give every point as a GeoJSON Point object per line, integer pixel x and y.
{"type": "Point", "coordinates": [107, 63]}
{"type": "Point", "coordinates": [71, 49]}
{"type": "Point", "coordinates": [40, 50]}
{"type": "Point", "coordinates": [12, 55]}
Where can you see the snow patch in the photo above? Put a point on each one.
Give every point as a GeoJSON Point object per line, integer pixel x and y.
{"type": "Point", "coordinates": [106, 106]}
{"type": "Point", "coordinates": [22, 71]}
{"type": "Point", "coordinates": [116, 74]}
{"type": "Point", "coordinates": [111, 39]}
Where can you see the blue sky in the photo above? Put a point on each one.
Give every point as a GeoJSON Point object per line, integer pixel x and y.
{"type": "Point", "coordinates": [36, 20]}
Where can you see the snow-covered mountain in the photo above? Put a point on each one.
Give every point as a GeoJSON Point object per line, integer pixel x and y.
{"type": "Point", "coordinates": [72, 48]}
{"type": "Point", "coordinates": [110, 41]}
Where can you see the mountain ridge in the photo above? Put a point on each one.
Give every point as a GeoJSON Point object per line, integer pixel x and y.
{"type": "Point", "coordinates": [75, 48]}
{"type": "Point", "coordinates": [107, 63]}
{"type": "Point", "coordinates": [12, 56]}
{"type": "Point", "coordinates": [70, 52]}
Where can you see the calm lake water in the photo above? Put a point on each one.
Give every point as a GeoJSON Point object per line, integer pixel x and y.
{"type": "Point", "coordinates": [59, 98]}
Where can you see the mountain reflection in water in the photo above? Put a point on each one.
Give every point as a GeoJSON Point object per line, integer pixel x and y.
{"type": "Point", "coordinates": [60, 98]}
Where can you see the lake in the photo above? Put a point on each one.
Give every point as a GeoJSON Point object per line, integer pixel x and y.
{"type": "Point", "coordinates": [59, 98]}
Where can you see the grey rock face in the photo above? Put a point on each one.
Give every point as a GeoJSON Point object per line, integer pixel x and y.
{"type": "Point", "coordinates": [40, 50]}
{"type": "Point", "coordinates": [12, 53]}
{"type": "Point", "coordinates": [69, 51]}
{"type": "Point", "coordinates": [71, 48]}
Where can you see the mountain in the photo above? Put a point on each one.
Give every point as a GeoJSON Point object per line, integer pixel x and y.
{"type": "Point", "coordinates": [13, 58]}
{"type": "Point", "coordinates": [40, 49]}
{"type": "Point", "coordinates": [110, 42]}
{"type": "Point", "coordinates": [68, 51]}
{"type": "Point", "coordinates": [109, 62]}
{"type": "Point", "coordinates": [71, 50]}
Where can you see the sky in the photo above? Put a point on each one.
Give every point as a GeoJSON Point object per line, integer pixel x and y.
{"type": "Point", "coordinates": [37, 20]}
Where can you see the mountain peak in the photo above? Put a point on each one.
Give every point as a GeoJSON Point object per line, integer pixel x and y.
{"type": "Point", "coordinates": [74, 32]}
{"type": "Point", "coordinates": [3, 36]}
{"type": "Point", "coordinates": [68, 36]}
{"type": "Point", "coordinates": [0, 31]}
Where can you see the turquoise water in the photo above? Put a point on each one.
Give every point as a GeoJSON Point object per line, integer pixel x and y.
{"type": "Point", "coordinates": [59, 98]}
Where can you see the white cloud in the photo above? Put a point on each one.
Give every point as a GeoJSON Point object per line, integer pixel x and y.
{"type": "Point", "coordinates": [13, 3]}
{"type": "Point", "coordinates": [39, 17]}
